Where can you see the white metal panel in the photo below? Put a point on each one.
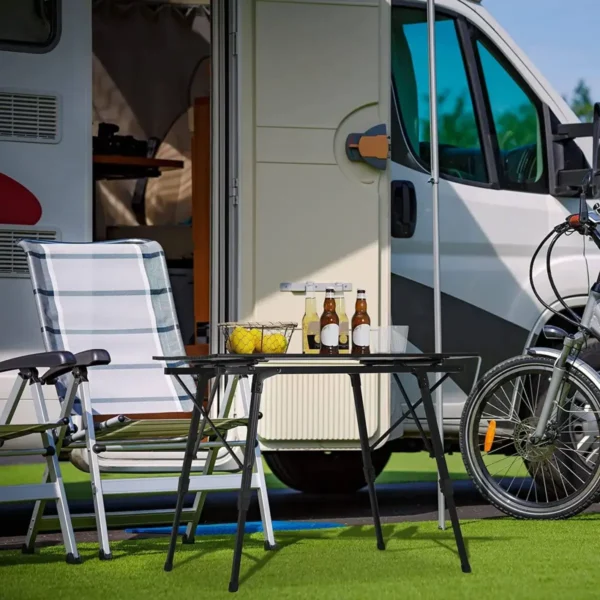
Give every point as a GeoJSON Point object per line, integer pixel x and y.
{"type": "Point", "coordinates": [312, 73]}
{"type": "Point", "coordinates": [59, 175]}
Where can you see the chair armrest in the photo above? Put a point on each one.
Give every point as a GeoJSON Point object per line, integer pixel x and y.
{"type": "Point", "coordinates": [87, 358]}
{"type": "Point", "coordinates": [43, 360]}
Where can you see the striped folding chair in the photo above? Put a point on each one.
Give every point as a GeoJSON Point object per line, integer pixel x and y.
{"type": "Point", "coordinates": [51, 433]}
{"type": "Point", "coordinates": [117, 296]}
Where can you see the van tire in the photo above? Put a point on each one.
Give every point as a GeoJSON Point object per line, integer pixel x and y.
{"type": "Point", "coordinates": [314, 472]}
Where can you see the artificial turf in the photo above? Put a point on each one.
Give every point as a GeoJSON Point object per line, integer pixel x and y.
{"type": "Point", "coordinates": [510, 559]}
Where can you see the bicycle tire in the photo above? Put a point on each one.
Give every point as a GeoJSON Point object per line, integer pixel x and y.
{"type": "Point", "coordinates": [561, 509]}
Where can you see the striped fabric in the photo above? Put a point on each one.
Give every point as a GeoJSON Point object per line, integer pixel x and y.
{"type": "Point", "coordinates": [116, 296]}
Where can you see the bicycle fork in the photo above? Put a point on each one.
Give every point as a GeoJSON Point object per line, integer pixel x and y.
{"type": "Point", "coordinates": [556, 382]}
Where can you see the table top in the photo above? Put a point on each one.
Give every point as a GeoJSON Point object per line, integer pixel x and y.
{"type": "Point", "coordinates": [363, 358]}
{"type": "Point", "coordinates": [316, 363]}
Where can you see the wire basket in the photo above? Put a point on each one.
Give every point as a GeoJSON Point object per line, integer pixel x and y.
{"type": "Point", "coordinates": [257, 338]}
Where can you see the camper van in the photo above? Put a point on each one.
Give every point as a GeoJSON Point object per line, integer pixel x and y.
{"type": "Point", "coordinates": [229, 132]}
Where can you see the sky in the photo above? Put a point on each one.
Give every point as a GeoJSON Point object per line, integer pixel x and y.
{"type": "Point", "coordinates": [560, 37]}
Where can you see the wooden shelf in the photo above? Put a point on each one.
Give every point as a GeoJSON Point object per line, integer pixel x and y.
{"type": "Point", "coordinates": [137, 161]}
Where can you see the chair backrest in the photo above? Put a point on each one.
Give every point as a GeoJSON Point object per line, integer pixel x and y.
{"type": "Point", "coordinates": [116, 296]}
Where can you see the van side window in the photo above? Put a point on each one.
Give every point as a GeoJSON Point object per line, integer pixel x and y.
{"type": "Point", "coordinates": [29, 25]}
{"type": "Point", "coordinates": [461, 155]}
{"type": "Point", "coordinates": [516, 122]}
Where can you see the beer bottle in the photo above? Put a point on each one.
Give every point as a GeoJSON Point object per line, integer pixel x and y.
{"type": "Point", "coordinates": [330, 326]}
{"type": "Point", "coordinates": [361, 326]}
{"type": "Point", "coordinates": [344, 324]}
{"type": "Point", "coordinates": [310, 322]}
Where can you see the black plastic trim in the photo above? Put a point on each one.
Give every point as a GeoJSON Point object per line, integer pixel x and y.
{"type": "Point", "coordinates": [32, 48]}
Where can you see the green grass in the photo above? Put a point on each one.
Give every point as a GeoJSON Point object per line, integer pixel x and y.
{"type": "Point", "coordinates": [510, 559]}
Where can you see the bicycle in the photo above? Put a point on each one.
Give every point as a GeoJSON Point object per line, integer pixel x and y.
{"type": "Point", "coordinates": [542, 434]}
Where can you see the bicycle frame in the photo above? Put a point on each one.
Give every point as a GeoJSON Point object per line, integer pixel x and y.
{"type": "Point", "coordinates": [566, 358]}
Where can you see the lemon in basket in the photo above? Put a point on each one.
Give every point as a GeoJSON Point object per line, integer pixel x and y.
{"type": "Point", "coordinates": [274, 343]}
{"type": "Point", "coordinates": [241, 341]}
{"type": "Point", "coordinates": [257, 337]}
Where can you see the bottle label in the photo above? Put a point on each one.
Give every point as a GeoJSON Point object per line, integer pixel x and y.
{"type": "Point", "coordinates": [361, 336]}
{"type": "Point", "coordinates": [330, 335]}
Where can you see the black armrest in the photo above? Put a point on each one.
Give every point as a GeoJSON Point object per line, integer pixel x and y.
{"type": "Point", "coordinates": [92, 358]}
{"type": "Point", "coordinates": [87, 358]}
{"type": "Point", "coordinates": [44, 360]}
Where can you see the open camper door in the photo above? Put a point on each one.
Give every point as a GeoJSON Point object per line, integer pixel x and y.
{"type": "Point", "coordinates": [314, 194]}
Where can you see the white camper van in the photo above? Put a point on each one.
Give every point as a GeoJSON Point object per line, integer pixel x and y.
{"type": "Point", "coordinates": [251, 182]}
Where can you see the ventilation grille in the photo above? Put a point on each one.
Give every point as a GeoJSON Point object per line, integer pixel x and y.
{"type": "Point", "coordinates": [13, 262]}
{"type": "Point", "coordinates": [28, 118]}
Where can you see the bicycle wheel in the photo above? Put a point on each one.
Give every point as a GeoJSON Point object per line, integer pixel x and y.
{"type": "Point", "coordinates": [555, 478]}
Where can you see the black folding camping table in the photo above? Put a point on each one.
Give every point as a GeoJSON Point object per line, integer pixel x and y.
{"type": "Point", "coordinates": [261, 367]}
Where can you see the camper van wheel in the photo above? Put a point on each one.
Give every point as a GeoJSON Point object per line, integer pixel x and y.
{"type": "Point", "coordinates": [315, 472]}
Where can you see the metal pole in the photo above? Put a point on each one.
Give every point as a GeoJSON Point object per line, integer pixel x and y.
{"type": "Point", "coordinates": [434, 180]}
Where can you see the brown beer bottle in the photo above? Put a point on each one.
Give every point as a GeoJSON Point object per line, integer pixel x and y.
{"type": "Point", "coordinates": [361, 326]}
{"type": "Point", "coordinates": [330, 326]}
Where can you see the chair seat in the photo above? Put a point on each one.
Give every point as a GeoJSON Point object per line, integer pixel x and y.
{"type": "Point", "coordinates": [159, 429]}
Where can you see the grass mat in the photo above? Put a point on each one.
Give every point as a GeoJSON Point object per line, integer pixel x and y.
{"type": "Point", "coordinates": [401, 468]}
{"type": "Point", "coordinates": [510, 559]}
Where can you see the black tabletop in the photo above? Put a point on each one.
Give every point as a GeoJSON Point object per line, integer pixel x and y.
{"type": "Point", "coordinates": [241, 364]}
{"type": "Point", "coordinates": [363, 358]}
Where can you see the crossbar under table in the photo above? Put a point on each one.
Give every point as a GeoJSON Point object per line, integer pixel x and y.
{"type": "Point", "coordinates": [262, 367]}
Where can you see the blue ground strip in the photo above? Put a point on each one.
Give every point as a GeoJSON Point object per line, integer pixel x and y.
{"type": "Point", "coordinates": [251, 527]}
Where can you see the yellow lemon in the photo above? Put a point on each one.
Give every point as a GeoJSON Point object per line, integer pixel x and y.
{"type": "Point", "coordinates": [257, 337]}
{"type": "Point", "coordinates": [241, 341]}
{"type": "Point", "coordinates": [274, 344]}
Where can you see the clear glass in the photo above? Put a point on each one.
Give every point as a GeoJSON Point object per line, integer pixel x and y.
{"type": "Point", "coordinates": [461, 152]}
{"type": "Point", "coordinates": [516, 119]}
{"type": "Point", "coordinates": [389, 340]}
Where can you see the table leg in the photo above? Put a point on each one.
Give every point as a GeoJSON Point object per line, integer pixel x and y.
{"type": "Point", "coordinates": [245, 489]}
{"type": "Point", "coordinates": [445, 481]}
{"type": "Point", "coordinates": [366, 456]}
{"type": "Point", "coordinates": [184, 478]}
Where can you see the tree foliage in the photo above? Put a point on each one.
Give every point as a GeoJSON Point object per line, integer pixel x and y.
{"type": "Point", "coordinates": [581, 101]}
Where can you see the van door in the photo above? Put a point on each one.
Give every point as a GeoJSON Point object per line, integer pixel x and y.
{"type": "Point", "coordinates": [315, 74]}
{"type": "Point", "coordinates": [495, 205]}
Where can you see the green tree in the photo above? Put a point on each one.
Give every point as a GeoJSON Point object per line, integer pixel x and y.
{"type": "Point", "coordinates": [581, 101]}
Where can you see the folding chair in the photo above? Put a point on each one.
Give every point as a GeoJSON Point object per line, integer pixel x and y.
{"type": "Point", "coordinates": [52, 434]}
{"type": "Point", "coordinates": [117, 296]}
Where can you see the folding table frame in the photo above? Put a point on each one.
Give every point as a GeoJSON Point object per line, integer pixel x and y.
{"type": "Point", "coordinates": [262, 367]}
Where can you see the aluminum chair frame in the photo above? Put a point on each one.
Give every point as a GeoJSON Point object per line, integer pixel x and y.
{"type": "Point", "coordinates": [52, 435]}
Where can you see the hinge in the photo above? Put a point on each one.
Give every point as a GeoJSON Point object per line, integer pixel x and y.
{"type": "Point", "coordinates": [235, 192]}
{"type": "Point", "coordinates": [234, 43]}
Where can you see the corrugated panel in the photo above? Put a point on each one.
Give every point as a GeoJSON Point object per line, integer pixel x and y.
{"type": "Point", "coordinates": [316, 407]}
{"type": "Point", "coordinates": [28, 118]}
{"type": "Point", "coordinates": [13, 262]}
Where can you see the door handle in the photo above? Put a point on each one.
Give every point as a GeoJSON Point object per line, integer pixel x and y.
{"type": "Point", "coordinates": [371, 147]}
{"type": "Point", "coordinates": [404, 209]}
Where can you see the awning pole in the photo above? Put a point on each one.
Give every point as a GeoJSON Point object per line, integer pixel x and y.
{"type": "Point", "coordinates": [434, 180]}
